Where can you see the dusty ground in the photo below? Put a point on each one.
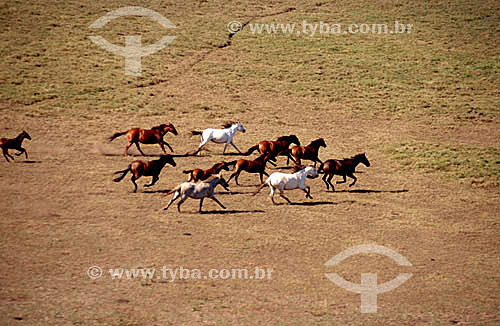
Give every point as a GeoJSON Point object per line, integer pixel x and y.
{"type": "Point", "coordinates": [62, 213]}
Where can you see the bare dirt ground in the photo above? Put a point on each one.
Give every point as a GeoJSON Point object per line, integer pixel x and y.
{"type": "Point", "coordinates": [62, 213]}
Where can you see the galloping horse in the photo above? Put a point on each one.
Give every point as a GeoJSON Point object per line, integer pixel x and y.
{"type": "Point", "coordinates": [199, 174]}
{"type": "Point", "coordinates": [151, 168]}
{"type": "Point", "coordinates": [274, 147]}
{"type": "Point", "coordinates": [309, 152]}
{"type": "Point", "coordinates": [287, 181]}
{"type": "Point", "coordinates": [199, 191]}
{"type": "Point", "coordinates": [146, 136]}
{"type": "Point", "coordinates": [14, 143]}
{"type": "Point", "coordinates": [256, 166]}
{"type": "Point", "coordinates": [345, 167]}
{"type": "Point", "coordinates": [219, 136]}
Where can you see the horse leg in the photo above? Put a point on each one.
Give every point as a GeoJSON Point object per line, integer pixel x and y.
{"type": "Point", "coordinates": [153, 181]}
{"type": "Point", "coordinates": [139, 148]}
{"type": "Point", "coordinates": [162, 147]}
{"type": "Point", "coordinates": [201, 203]}
{"type": "Point", "coordinates": [183, 199]}
{"type": "Point", "coordinates": [236, 174]}
{"type": "Point", "coordinates": [308, 192]}
{"type": "Point", "coordinates": [271, 194]}
{"type": "Point", "coordinates": [326, 183]}
{"type": "Point", "coordinates": [330, 182]}
{"type": "Point", "coordinates": [127, 147]}
{"type": "Point", "coordinates": [282, 195]}
{"type": "Point", "coordinates": [169, 147]}
{"type": "Point", "coordinates": [217, 201]}
{"type": "Point", "coordinates": [316, 161]}
{"type": "Point", "coordinates": [25, 153]}
{"type": "Point", "coordinates": [353, 177]}
{"type": "Point", "coordinates": [133, 181]}
{"type": "Point", "coordinates": [224, 151]}
{"type": "Point", "coordinates": [235, 147]}
{"type": "Point", "coordinates": [176, 195]}
{"type": "Point", "coordinates": [343, 181]}
{"type": "Point", "coordinates": [6, 154]}
{"type": "Point", "coordinates": [203, 143]}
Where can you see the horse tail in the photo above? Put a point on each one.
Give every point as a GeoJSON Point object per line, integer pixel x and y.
{"type": "Point", "coordinates": [117, 134]}
{"type": "Point", "coordinates": [187, 171]}
{"type": "Point", "coordinates": [251, 150]}
{"type": "Point", "coordinates": [118, 179]}
{"type": "Point", "coordinates": [262, 185]}
{"type": "Point", "coordinates": [196, 132]}
{"type": "Point", "coordinates": [174, 190]}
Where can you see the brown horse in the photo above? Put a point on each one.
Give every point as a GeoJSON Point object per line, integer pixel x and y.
{"type": "Point", "coordinates": [199, 174]}
{"type": "Point", "coordinates": [345, 167]}
{"type": "Point", "coordinates": [146, 136]}
{"type": "Point", "coordinates": [150, 168]}
{"type": "Point", "coordinates": [309, 152]}
{"type": "Point", "coordinates": [274, 147]}
{"type": "Point", "coordinates": [256, 166]}
{"type": "Point", "coordinates": [14, 143]}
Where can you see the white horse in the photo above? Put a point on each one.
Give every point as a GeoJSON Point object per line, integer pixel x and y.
{"type": "Point", "coordinates": [219, 136]}
{"type": "Point", "coordinates": [289, 181]}
{"type": "Point", "coordinates": [199, 191]}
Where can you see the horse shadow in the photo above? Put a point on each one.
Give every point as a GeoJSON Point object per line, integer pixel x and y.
{"type": "Point", "coordinates": [313, 203]}
{"type": "Point", "coordinates": [370, 191]}
{"type": "Point", "coordinates": [234, 193]}
{"type": "Point", "coordinates": [29, 162]}
{"type": "Point", "coordinates": [159, 191]}
{"type": "Point", "coordinates": [233, 211]}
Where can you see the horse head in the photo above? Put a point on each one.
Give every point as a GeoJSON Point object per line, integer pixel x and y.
{"type": "Point", "coordinates": [363, 159]}
{"type": "Point", "coordinates": [170, 127]}
{"type": "Point", "coordinates": [168, 159]}
{"type": "Point", "coordinates": [222, 181]}
{"type": "Point", "coordinates": [25, 135]}
{"type": "Point", "coordinates": [321, 142]}
{"type": "Point", "coordinates": [311, 172]}
{"type": "Point", "coordinates": [239, 127]}
{"type": "Point", "coordinates": [294, 140]}
{"type": "Point", "coordinates": [225, 166]}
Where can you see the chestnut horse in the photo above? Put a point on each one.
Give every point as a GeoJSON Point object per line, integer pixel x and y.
{"type": "Point", "coordinates": [199, 174]}
{"type": "Point", "coordinates": [146, 136]}
{"type": "Point", "coordinates": [345, 167]}
{"type": "Point", "coordinates": [150, 168]}
{"type": "Point", "coordinates": [14, 143]}
{"type": "Point", "coordinates": [309, 152]}
{"type": "Point", "coordinates": [274, 147]}
{"type": "Point", "coordinates": [256, 166]}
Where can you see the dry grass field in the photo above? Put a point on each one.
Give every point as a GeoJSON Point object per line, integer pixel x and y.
{"type": "Point", "coordinates": [424, 106]}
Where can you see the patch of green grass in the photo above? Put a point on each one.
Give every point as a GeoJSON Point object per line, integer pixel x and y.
{"type": "Point", "coordinates": [459, 162]}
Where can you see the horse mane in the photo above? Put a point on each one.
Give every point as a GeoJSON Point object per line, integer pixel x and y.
{"type": "Point", "coordinates": [229, 124]}
{"type": "Point", "coordinates": [316, 141]}
{"type": "Point", "coordinates": [159, 127]}
{"type": "Point", "coordinates": [283, 138]}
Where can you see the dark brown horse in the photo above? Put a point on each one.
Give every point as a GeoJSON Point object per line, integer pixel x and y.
{"type": "Point", "coordinates": [274, 147]}
{"type": "Point", "coordinates": [146, 136]}
{"type": "Point", "coordinates": [345, 167]}
{"type": "Point", "coordinates": [256, 166]}
{"type": "Point", "coordinates": [150, 168]}
{"type": "Point", "coordinates": [309, 152]}
{"type": "Point", "coordinates": [199, 174]}
{"type": "Point", "coordinates": [14, 143]}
